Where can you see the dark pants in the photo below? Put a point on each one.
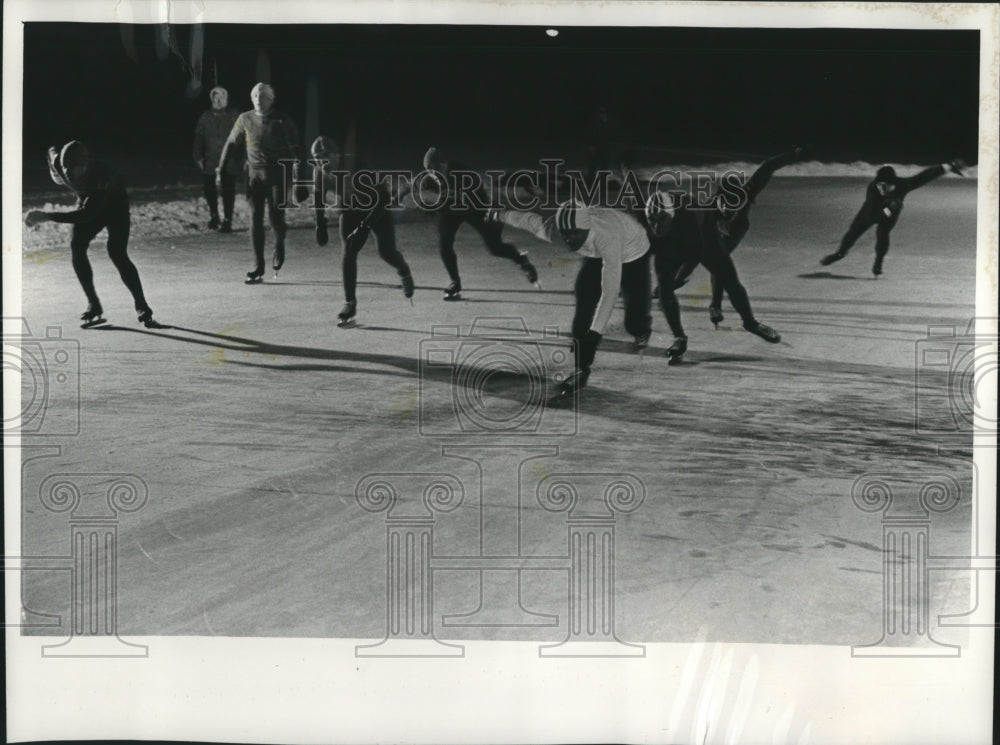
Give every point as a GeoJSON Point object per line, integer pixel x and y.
{"type": "Point", "coordinates": [265, 190]}
{"type": "Point", "coordinates": [635, 293]}
{"type": "Point", "coordinates": [385, 242]}
{"type": "Point", "coordinates": [227, 185]}
{"type": "Point", "coordinates": [737, 226]}
{"type": "Point", "coordinates": [720, 264]}
{"type": "Point", "coordinates": [118, 224]}
{"type": "Point", "coordinates": [861, 223]}
{"type": "Point", "coordinates": [450, 221]}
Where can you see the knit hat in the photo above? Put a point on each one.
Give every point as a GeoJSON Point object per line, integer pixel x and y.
{"type": "Point", "coordinates": [659, 203]}
{"type": "Point", "coordinates": [572, 216]}
{"type": "Point", "coordinates": [73, 154]}
{"type": "Point", "coordinates": [324, 146]}
{"type": "Point", "coordinates": [225, 95]}
{"type": "Point", "coordinates": [433, 159]}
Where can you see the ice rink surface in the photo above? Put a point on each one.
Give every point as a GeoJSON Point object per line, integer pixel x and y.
{"type": "Point", "coordinates": [251, 419]}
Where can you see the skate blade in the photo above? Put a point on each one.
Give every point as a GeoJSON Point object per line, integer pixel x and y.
{"type": "Point", "coordinates": [348, 324]}
{"type": "Point", "coordinates": [452, 298]}
{"type": "Point", "coordinates": [674, 359]}
{"type": "Point", "coordinates": [151, 324]}
{"type": "Point", "coordinates": [562, 400]}
{"type": "Point", "coordinates": [253, 281]}
{"type": "Point", "coordinates": [536, 285]}
{"type": "Point", "coordinates": [94, 322]}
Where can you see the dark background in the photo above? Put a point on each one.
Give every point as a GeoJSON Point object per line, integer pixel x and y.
{"type": "Point", "coordinates": [496, 96]}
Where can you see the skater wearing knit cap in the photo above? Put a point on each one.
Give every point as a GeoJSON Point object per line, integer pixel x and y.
{"type": "Point", "coordinates": [102, 202]}
{"type": "Point", "coordinates": [615, 252]}
{"type": "Point", "coordinates": [355, 225]}
{"type": "Point", "coordinates": [210, 133]}
{"type": "Point", "coordinates": [451, 216]}
{"type": "Point", "coordinates": [882, 207]}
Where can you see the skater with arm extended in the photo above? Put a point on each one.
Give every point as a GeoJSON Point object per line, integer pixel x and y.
{"type": "Point", "coordinates": [680, 238]}
{"type": "Point", "coordinates": [356, 222]}
{"type": "Point", "coordinates": [615, 254]}
{"type": "Point", "coordinates": [270, 136]}
{"type": "Point", "coordinates": [102, 202]}
{"type": "Point", "coordinates": [882, 207]}
{"type": "Point", "coordinates": [733, 224]}
{"type": "Point", "coordinates": [210, 134]}
{"type": "Point", "coordinates": [450, 217]}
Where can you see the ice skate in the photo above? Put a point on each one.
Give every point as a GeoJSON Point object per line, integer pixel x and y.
{"type": "Point", "coordinates": [764, 331]}
{"type": "Point", "coordinates": [640, 342]}
{"type": "Point", "coordinates": [569, 388]}
{"type": "Point", "coordinates": [213, 224]}
{"type": "Point", "coordinates": [877, 267]}
{"type": "Point", "coordinates": [830, 258]}
{"type": "Point", "coordinates": [255, 276]}
{"type": "Point", "coordinates": [529, 271]}
{"type": "Point", "coordinates": [676, 350]}
{"type": "Point", "coordinates": [407, 280]}
{"type": "Point", "coordinates": [146, 318]}
{"type": "Point", "coordinates": [226, 227]}
{"type": "Point", "coordinates": [93, 316]}
{"type": "Point", "coordinates": [715, 315]}
{"type": "Point", "coordinates": [278, 260]}
{"type": "Point", "coordinates": [345, 318]}
{"type": "Point", "coordinates": [453, 291]}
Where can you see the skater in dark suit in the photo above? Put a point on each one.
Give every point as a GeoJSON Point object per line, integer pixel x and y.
{"type": "Point", "coordinates": [102, 202]}
{"type": "Point", "coordinates": [356, 222]}
{"type": "Point", "coordinates": [450, 218]}
{"type": "Point", "coordinates": [210, 133]}
{"type": "Point", "coordinates": [682, 238]}
{"type": "Point", "coordinates": [882, 207]}
{"type": "Point", "coordinates": [733, 224]}
{"type": "Point", "coordinates": [270, 136]}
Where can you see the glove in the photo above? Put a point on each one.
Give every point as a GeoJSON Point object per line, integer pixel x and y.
{"type": "Point", "coordinates": [55, 167]}
{"type": "Point", "coordinates": [322, 236]}
{"type": "Point", "coordinates": [492, 215]}
{"type": "Point", "coordinates": [801, 151]}
{"type": "Point", "coordinates": [957, 165]}
{"type": "Point", "coordinates": [34, 217]}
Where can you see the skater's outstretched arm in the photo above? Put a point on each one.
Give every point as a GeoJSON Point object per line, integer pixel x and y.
{"type": "Point", "coordinates": [94, 196]}
{"type": "Point", "coordinates": [760, 178]}
{"type": "Point", "coordinates": [906, 185]}
{"type": "Point", "coordinates": [543, 228]}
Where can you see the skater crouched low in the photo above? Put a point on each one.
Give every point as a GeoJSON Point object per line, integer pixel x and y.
{"type": "Point", "coordinates": [102, 202]}
{"type": "Point", "coordinates": [615, 254]}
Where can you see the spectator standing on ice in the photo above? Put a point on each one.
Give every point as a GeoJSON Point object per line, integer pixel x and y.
{"type": "Point", "coordinates": [882, 207]}
{"type": "Point", "coordinates": [270, 136]}
{"type": "Point", "coordinates": [210, 133]}
{"type": "Point", "coordinates": [102, 202]}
